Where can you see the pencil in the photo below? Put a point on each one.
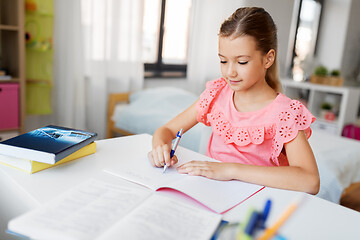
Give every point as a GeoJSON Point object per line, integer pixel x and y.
{"type": "Point", "coordinates": [269, 232]}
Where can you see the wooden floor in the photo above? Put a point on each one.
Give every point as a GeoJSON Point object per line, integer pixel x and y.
{"type": "Point", "coordinates": [351, 197]}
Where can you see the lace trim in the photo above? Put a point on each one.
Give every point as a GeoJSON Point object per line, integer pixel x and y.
{"type": "Point", "coordinates": [289, 122]}
{"type": "Point", "coordinates": [205, 103]}
{"type": "Point", "coordinates": [282, 129]}
{"type": "Point", "coordinates": [241, 136]}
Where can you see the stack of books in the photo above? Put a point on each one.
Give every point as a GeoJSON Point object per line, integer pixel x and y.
{"type": "Point", "coordinates": [46, 147]}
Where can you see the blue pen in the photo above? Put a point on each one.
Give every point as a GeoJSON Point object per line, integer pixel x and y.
{"type": "Point", "coordinates": [265, 213]}
{"type": "Point", "coordinates": [251, 227]}
{"type": "Point", "coordinates": [173, 149]}
{"type": "Point", "coordinates": [248, 228]}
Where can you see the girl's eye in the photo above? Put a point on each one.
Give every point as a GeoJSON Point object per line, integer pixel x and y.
{"type": "Point", "coordinates": [223, 62]}
{"type": "Point", "coordinates": [243, 63]}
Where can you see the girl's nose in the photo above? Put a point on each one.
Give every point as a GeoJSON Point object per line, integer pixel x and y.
{"type": "Point", "coordinates": [232, 70]}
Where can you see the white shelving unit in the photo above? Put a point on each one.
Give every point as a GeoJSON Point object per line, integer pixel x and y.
{"type": "Point", "coordinates": [344, 99]}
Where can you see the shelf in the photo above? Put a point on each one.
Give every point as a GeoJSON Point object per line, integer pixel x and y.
{"type": "Point", "coordinates": [41, 81]}
{"type": "Point", "coordinates": [40, 50]}
{"type": "Point", "coordinates": [13, 80]}
{"type": "Point", "coordinates": [313, 86]}
{"type": "Point", "coordinates": [41, 14]}
{"type": "Point", "coordinates": [12, 48]}
{"type": "Point", "coordinates": [324, 121]}
{"type": "Point", "coordinates": [9, 27]}
{"type": "Point", "coordinates": [9, 130]}
{"type": "Point", "coordinates": [344, 100]}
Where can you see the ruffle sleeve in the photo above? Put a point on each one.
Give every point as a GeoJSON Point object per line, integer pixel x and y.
{"type": "Point", "coordinates": [293, 118]}
{"type": "Point", "coordinates": [205, 102]}
{"type": "Point", "coordinates": [241, 136]}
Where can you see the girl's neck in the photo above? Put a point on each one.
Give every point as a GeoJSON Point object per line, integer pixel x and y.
{"type": "Point", "coordinates": [254, 99]}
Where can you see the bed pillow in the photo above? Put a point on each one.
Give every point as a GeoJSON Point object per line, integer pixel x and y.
{"type": "Point", "coordinates": [153, 107]}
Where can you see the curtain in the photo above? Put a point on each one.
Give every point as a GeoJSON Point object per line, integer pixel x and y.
{"type": "Point", "coordinates": [69, 94]}
{"type": "Point", "coordinates": [112, 45]}
{"type": "Point", "coordinates": [99, 52]}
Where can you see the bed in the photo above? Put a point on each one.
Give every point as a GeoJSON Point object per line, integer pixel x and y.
{"type": "Point", "coordinates": [338, 158]}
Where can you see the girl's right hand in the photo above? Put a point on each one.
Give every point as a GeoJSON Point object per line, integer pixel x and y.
{"type": "Point", "coordinates": [160, 155]}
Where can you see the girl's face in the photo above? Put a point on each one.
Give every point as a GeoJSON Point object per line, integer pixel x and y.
{"type": "Point", "coordinates": [242, 65]}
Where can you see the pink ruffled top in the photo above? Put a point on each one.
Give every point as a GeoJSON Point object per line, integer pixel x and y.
{"type": "Point", "coordinates": [255, 138]}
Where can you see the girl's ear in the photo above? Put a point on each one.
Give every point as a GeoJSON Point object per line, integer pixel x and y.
{"type": "Point", "coordinates": [270, 58]}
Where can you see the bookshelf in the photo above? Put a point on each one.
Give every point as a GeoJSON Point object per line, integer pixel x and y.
{"type": "Point", "coordinates": [39, 19]}
{"type": "Point", "coordinates": [345, 101]}
{"type": "Point", "coordinates": [12, 64]}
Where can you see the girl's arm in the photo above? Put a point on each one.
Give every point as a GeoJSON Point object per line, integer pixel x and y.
{"type": "Point", "coordinates": [301, 174]}
{"type": "Point", "coordinates": [161, 143]}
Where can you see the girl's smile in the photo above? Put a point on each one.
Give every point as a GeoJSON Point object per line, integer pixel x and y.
{"type": "Point", "coordinates": [233, 82]}
{"type": "Point", "coordinates": [242, 65]}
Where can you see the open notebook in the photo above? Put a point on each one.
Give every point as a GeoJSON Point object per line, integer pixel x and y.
{"type": "Point", "coordinates": [105, 211]}
{"type": "Point", "coordinates": [218, 196]}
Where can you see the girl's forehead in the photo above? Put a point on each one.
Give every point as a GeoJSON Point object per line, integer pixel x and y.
{"type": "Point", "coordinates": [242, 45]}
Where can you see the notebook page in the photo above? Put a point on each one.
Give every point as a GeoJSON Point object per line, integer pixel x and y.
{"type": "Point", "coordinates": [219, 196]}
{"type": "Point", "coordinates": [161, 217]}
{"type": "Point", "coordinates": [139, 170]}
{"type": "Point", "coordinates": [82, 213]}
{"type": "Point", "coordinates": [142, 172]}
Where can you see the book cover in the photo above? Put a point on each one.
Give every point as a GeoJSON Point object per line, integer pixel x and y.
{"type": "Point", "coordinates": [30, 166]}
{"type": "Point", "coordinates": [218, 196]}
{"type": "Point", "coordinates": [47, 144]}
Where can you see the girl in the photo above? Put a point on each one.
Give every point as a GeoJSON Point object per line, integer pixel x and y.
{"type": "Point", "coordinates": [259, 135]}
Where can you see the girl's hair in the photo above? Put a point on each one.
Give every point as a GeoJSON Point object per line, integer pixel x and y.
{"type": "Point", "coordinates": [255, 22]}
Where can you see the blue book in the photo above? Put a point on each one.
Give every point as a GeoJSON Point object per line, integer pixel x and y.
{"type": "Point", "coordinates": [48, 144]}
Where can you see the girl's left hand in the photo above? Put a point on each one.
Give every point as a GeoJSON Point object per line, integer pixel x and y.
{"type": "Point", "coordinates": [214, 170]}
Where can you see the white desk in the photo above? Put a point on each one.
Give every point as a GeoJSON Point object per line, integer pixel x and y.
{"type": "Point", "coordinates": [314, 219]}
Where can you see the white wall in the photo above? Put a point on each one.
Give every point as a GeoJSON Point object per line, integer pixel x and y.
{"type": "Point", "coordinates": [333, 29]}
{"type": "Point", "coordinates": [207, 16]}
{"type": "Point", "coordinates": [339, 38]}
{"type": "Point", "coordinates": [351, 55]}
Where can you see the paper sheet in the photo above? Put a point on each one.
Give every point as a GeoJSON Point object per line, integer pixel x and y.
{"type": "Point", "coordinates": [100, 210]}
{"type": "Point", "coordinates": [165, 218]}
{"type": "Point", "coordinates": [219, 196]}
{"type": "Point", "coordinates": [82, 213]}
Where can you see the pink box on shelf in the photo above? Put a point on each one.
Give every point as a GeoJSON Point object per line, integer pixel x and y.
{"type": "Point", "coordinates": [9, 105]}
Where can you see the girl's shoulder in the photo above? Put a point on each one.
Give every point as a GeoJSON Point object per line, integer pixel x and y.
{"type": "Point", "coordinates": [289, 116]}
{"type": "Point", "coordinates": [285, 106]}
{"type": "Point", "coordinates": [216, 84]}
{"type": "Point", "coordinates": [213, 90]}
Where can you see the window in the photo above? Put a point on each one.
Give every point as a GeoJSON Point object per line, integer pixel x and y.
{"type": "Point", "coordinates": [165, 37]}
{"type": "Point", "coordinates": [306, 37]}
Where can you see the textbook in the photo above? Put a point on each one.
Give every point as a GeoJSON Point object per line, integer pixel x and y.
{"type": "Point", "coordinates": [218, 196]}
{"type": "Point", "coordinates": [101, 210]}
{"type": "Point", "coordinates": [47, 144]}
{"type": "Point", "coordinates": [30, 166]}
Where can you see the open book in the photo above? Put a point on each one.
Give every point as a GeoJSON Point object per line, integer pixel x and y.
{"type": "Point", "coordinates": [219, 196]}
{"type": "Point", "coordinates": [105, 211]}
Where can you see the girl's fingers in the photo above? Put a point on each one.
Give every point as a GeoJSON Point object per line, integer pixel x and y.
{"type": "Point", "coordinates": [154, 158]}
{"type": "Point", "coordinates": [159, 155]}
{"type": "Point", "coordinates": [193, 167]}
{"type": "Point", "coordinates": [166, 154]}
{"type": "Point", "coordinates": [174, 160]}
{"type": "Point", "coordinates": [151, 159]}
